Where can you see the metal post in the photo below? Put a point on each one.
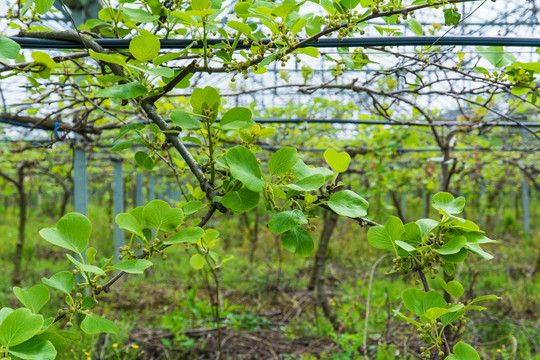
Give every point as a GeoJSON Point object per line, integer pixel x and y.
{"type": "Point", "coordinates": [425, 204]}
{"type": "Point", "coordinates": [118, 194]}
{"type": "Point", "coordinates": [138, 190]}
{"type": "Point", "coordinates": [151, 188]}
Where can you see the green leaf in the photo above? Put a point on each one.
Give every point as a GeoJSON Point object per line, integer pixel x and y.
{"type": "Point", "coordinates": [282, 160]}
{"type": "Point", "coordinates": [339, 162]}
{"type": "Point", "coordinates": [456, 258]}
{"type": "Point", "coordinates": [185, 121]}
{"type": "Point", "coordinates": [34, 349]}
{"type": "Point", "coordinates": [310, 51]}
{"type": "Point", "coordinates": [160, 216]}
{"type": "Point", "coordinates": [236, 118]}
{"type": "Point", "coordinates": [302, 171]}
{"type": "Point", "coordinates": [435, 313]}
{"type": "Point", "coordinates": [298, 25]}
{"type": "Point", "coordinates": [108, 58]}
{"type": "Point", "coordinates": [496, 55]}
{"type": "Point", "coordinates": [43, 6]}
{"type": "Point", "coordinates": [454, 288]}
{"type": "Point", "coordinates": [240, 27]}
{"type": "Point", "coordinates": [476, 249]}
{"type": "Point", "coordinates": [123, 91]}
{"type": "Point", "coordinates": [348, 203]}
{"type": "Point", "coordinates": [298, 240]}
{"type": "Point", "coordinates": [93, 324]}
{"type": "Point", "coordinates": [144, 160]}
{"type": "Point", "coordinates": [519, 90]}
{"type": "Point", "coordinates": [463, 351]}
{"type": "Point", "coordinates": [310, 183]}
{"type": "Point", "coordinates": [451, 317]}
{"type": "Point", "coordinates": [240, 201]}
{"type": "Point", "coordinates": [453, 246]}
{"type": "Point", "coordinates": [63, 281]}
{"type": "Point", "coordinates": [207, 98]}
{"type": "Point", "coordinates": [71, 232]}
{"type": "Point", "coordinates": [188, 235]}
{"type": "Point", "coordinates": [245, 168]}
{"type": "Point", "coordinates": [138, 15]}
{"type": "Point", "coordinates": [84, 267]}
{"type": "Point", "coordinates": [9, 49]}
{"type": "Point", "coordinates": [286, 220]}
{"type": "Point", "coordinates": [383, 237]}
{"type": "Point", "coordinates": [412, 234]}
{"type": "Point", "coordinates": [126, 144]}
{"type": "Point", "coordinates": [128, 222]}
{"type": "Point", "coordinates": [451, 17]}
{"type": "Point", "coordinates": [405, 246]}
{"type": "Point", "coordinates": [33, 298]}
{"type": "Point", "coordinates": [144, 47]}
{"type": "Point", "coordinates": [484, 298]}
{"type": "Point", "coordinates": [135, 266]}
{"type": "Point", "coordinates": [197, 261]}
{"type": "Point", "coordinates": [162, 71]}
{"type": "Point", "coordinates": [415, 26]}
{"type": "Point", "coordinates": [446, 204]}
{"type": "Point", "coordinates": [19, 326]}
{"type": "Point", "coordinates": [418, 302]}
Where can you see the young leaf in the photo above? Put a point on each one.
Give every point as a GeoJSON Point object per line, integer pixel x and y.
{"type": "Point", "coordinates": [71, 232]}
{"type": "Point", "coordinates": [93, 324]}
{"type": "Point", "coordinates": [454, 288]}
{"type": "Point", "coordinates": [282, 160]}
{"type": "Point", "coordinates": [446, 204]}
{"type": "Point", "coordinates": [339, 162]}
{"type": "Point", "coordinates": [236, 118]}
{"type": "Point", "coordinates": [128, 222]}
{"type": "Point", "coordinates": [310, 183]}
{"type": "Point", "coordinates": [63, 281]}
{"type": "Point", "coordinates": [123, 91]}
{"type": "Point", "coordinates": [33, 298]}
{"type": "Point", "coordinates": [135, 266]}
{"type": "Point", "coordinates": [348, 203]}
{"type": "Point", "coordinates": [144, 160]}
{"type": "Point", "coordinates": [298, 240]}
{"type": "Point", "coordinates": [463, 351]}
{"type": "Point", "coordinates": [453, 246]}
{"type": "Point", "coordinates": [9, 49]}
{"type": "Point", "coordinates": [188, 235]}
{"type": "Point", "coordinates": [197, 261]}
{"type": "Point", "coordinates": [185, 121]}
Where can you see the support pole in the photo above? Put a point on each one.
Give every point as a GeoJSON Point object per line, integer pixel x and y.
{"type": "Point", "coordinates": [151, 188]}
{"type": "Point", "coordinates": [526, 209]}
{"type": "Point", "coordinates": [138, 190]}
{"type": "Point", "coordinates": [80, 182]}
{"type": "Point", "coordinates": [118, 194]}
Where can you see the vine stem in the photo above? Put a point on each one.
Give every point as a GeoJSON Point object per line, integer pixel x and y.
{"type": "Point", "coordinates": [427, 289]}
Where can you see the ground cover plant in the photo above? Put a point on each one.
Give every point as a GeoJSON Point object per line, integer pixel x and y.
{"type": "Point", "coordinates": [230, 177]}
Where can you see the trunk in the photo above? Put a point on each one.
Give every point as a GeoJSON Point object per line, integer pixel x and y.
{"type": "Point", "coordinates": [17, 258]}
{"type": "Point", "coordinates": [317, 277]}
{"type": "Point", "coordinates": [397, 205]}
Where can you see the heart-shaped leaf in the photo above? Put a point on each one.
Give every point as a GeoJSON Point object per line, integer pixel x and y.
{"type": "Point", "coordinates": [282, 160]}
{"type": "Point", "coordinates": [185, 121]}
{"type": "Point", "coordinates": [418, 302]}
{"type": "Point", "coordinates": [241, 201]}
{"type": "Point", "coordinates": [236, 118]}
{"type": "Point", "coordinates": [160, 216]}
{"type": "Point", "coordinates": [445, 203]}
{"type": "Point", "coordinates": [144, 47]}
{"type": "Point", "coordinates": [123, 91]}
{"type": "Point", "coordinates": [128, 222]}
{"type": "Point", "coordinates": [33, 298]}
{"type": "Point", "coordinates": [310, 183]}
{"type": "Point", "coordinates": [71, 232]}
{"type": "Point", "coordinates": [339, 162]}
